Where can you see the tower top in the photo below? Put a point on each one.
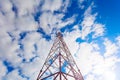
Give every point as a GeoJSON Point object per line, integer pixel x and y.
{"type": "Point", "coordinates": [59, 34]}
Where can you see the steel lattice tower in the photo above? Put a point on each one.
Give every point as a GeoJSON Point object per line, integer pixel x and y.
{"type": "Point", "coordinates": [59, 64]}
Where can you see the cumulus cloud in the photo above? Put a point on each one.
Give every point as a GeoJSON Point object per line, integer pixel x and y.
{"type": "Point", "coordinates": [28, 44]}
{"type": "Point", "coordinates": [111, 48]}
{"type": "Point", "coordinates": [88, 55]}
{"type": "Point", "coordinates": [23, 9]}
{"type": "Point", "coordinates": [26, 23]}
{"type": "Point", "coordinates": [25, 48]}
{"type": "Point", "coordinates": [3, 70]}
{"type": "Point", "coordinates": [5, 6]}
{"type": "Point", "coordinates": [91, 61]}
{"type": "Point", "coordinates": [89, 24]}
{"type": "Point", "coordinates": [14, 75]}
{"type": "Point", "coordinates": [52, 5]}
{"type": "Point", "coordinates": [11, 28]}
{"type": "Point", "coordinates": [50, 21]}
{"type": "Point", "coordinates": [70, 39]}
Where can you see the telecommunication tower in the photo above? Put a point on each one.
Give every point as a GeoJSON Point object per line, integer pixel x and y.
{"type": "Point", "coordinates": [59, 64]}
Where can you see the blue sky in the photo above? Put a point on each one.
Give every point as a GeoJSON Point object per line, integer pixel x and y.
{"type": "Point", "coordinates": [109, 12]}
{"type": "Point", "coordinates": [90, 28]}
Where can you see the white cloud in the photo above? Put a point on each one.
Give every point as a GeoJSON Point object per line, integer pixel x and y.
{"type": "Point", "coordinates": [89, 24]}
{"type": "Point", "coordinates": [5, 5]}
{"type": "Point", "coordinates": [65, 5]}
{"type": "Point", "coordinates": [87, 55]}
{"type": "Point", "coordinates": [111, 48]}
{"type": "Point", "coordinates": [15, 24]}
{"type": "Point", "coordinates": [55, 5]}
{"type": "Point", "coordinates": [14, 75]}
{"type": "Point", "coordinates": [26, 23]}
{"type": "Point", "coordinates": [49, 21]}
{"type": "Point", "coordinates": [98, 30]}
{"type": "Point", "coordinates": [31, 69]}
{"type": "Point", "coordinates": [90, 77]}
{"type": "Point", "coordinates": [52, 5]}
{"type": "Point", "coordinates": [9, 49]}
{"type": "Point", "coordinates": [91, 61]}
{"type": "Point", "coordinates": [108, 75]}
{"type": "Point", "coordinates": [28, 42]}
{"type": "Point", "coordinates": [80, 3]}
{"type": "Point", "coordinates": [26, 7]}
{"type": "Point", "coordinates": [3, 70]}
{"type": "Point", "coordinates": [6, 16]}
{"type": "Point", "coordinates": [7, 52]}
{"type": "Point", "coordinates": [70, 39]}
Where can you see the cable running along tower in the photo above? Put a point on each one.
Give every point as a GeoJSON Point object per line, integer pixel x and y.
{"type": "Point", "coordinates": [59, 64]}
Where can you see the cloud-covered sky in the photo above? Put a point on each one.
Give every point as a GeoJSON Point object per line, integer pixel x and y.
{"type": "Point", "coordinates": [90, 28]}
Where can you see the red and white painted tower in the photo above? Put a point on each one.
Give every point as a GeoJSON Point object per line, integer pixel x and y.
{"type": "Point", "coordinates": [59, 64]}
